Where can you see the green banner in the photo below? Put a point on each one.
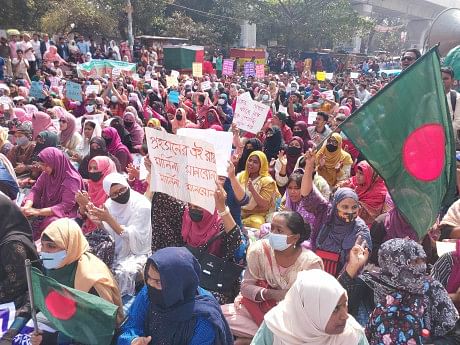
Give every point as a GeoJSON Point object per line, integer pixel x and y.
{"type": "Point", "coordinates": [101, 67]}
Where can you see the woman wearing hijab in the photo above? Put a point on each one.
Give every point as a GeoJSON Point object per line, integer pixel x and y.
{"type": "Point", "coordinates": [337, 224]}
{"type": "Point", "coordinates": [334, 163]}
{"type": "Point", "coordinates": [53, 195]}
{"type": "Point", "coordinates": [273, 143]}
{"type": "Point", "coordinates": [69, 138]}
{"type": "Point", "coordinates": [179, 121]}
{"type": "Point", "coordinates": [126, 217]}
{"type": "Point", "coordinates": [372, 192]}
{"type": "Point", "coordinates": [5, 145]}
{"type": "Point", "coordinates": [211, 118]}
{"type": "Point", "coordinates": [171, 308]}
{"type": "Point", "coordinates": [97, 147]}
{"type": "Point", "coordinates": [300, 130]}
{"type": "Point", "coordinates": [91, 129]}
{"type": "Point", "coordinates": [20, 155]}
{"type": "Point", "coordinates": [261, 189]}
{"type": "Point", "coordinates": [345, 110]}
{"type": "Point", "coordinates": [16, 246]}
{"type": "Point", "coordinates": [134, 129]}
{"type": "Point", "coordinates": [286, 162]}
{"type": "Point", "coordinates": [402, 270]}
{"type": "Point", "coordinates": [43, 140]}
{"type": "Point", "coordinates": [250, 146]}
{"type": "Point", "coordinates": [66, 258]}
{"type": "Point", "coordinates": [42, 122]}
{"type": "Point", "coordinates": [273, 265]}
{"type": "Point", "coordinates": [314, 312]}
{"type": "Point", "coordinates": [116, 148]}
{"type": "Point", "coordinates": [125, 137]}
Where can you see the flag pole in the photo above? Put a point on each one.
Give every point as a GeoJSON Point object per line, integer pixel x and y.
{"type": "Point", "coordinates": [31, 294]}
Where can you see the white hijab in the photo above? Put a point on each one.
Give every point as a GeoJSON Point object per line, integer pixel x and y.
{"type": "Point", "coordinates": [301, 318]}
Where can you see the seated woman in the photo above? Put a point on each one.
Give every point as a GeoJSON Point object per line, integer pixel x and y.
{"type": "Point", "coordinates": [250, 146]}
{"type": "Point", "coordinates": [68, 136]}
{"type": "Point", "coordinates": [116, 148]}
{"type": "Point", "coordinates": [43, 140]}
{"type": "Point", "coordinates": [5, 145]}
{"type": "Point", "coordinates": [261, 189]}
{"type": "Point", "coordinates": [67, 259]}
{"type": "Point", "coordinates": [53, 195]}
{"type": "Point", "coordinates": [402, 269]}
{"type": "Point", "coordinates": [171, 309]}
{"type": "Point", "coordinates": [273, 265]}
{"type": "Point", "coordinates": [373, 195]}
{"type": "Point", "coordinates": [100, 242]}
{"type": "Point", "coordinates": [334, 163]}
{"type": "Point", "coordinates": [135, 130]}
{"type": "Point", "coordinates": [337, 225]}
{"type": "Point", "coordinates": [8, 181]}
{"type": "Point", "coordinates": [286, 162]}
{"type": "Point", "coordinates": [125, 137]}
{"type": "Point", "coordinates": [314, 312]}
{"type": "Point", "coordinates": [42, 122]}
{"type": "Point", "coordinates": [97, 147]}
{"type": "Point", "coordinates": [16, 246]}
{"type": "Point", "coordinates": [20, 155]}
{"type": "Point", "coordinates": [126, 217]}
{"type": "Point", "coordinates": [91, 129]}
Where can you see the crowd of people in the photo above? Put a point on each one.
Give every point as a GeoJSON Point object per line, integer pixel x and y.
{"type": "Point", "coordinates": [323, 250]}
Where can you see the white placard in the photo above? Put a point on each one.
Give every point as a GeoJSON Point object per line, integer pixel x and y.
{"type": "Point", "coordinates": [445, 247]}
{"type": "Point", "coordinates": [354, 75]}
{"type": "Point", "coordinates": [92, 89]}
{"type": "Point", "coordinates": [7, 315]}
{"type": "Point", "coordinates": [250, 115]}
{"type": "Point", "coordinates": [312, 117]}
{"type": "Point", "coordinates": [182, 167]}
{"type": "Point", "coordinates": [222, 142]}
{"type": "Point", "coordinates": [329, 76]}
{"type": "Point", "coordinates": [206, 85]}
{"type": "Point", "coordinates": [154, 83]}
{"type": "Point", "coordinates": [99, 118]}
{"type": "Point", "coordinates": [282, 109]}
{"type": "Point", "coordinates": [175, 74]}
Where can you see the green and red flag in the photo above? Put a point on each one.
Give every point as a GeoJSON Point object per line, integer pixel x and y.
{"type": "Point", "coordinates": [84, 317]}
{"type": "Point", "coordinates": [406, 134]}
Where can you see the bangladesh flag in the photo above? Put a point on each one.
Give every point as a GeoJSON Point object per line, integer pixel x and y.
{"type": "Point", "coordinates": [406, 134]}
{"type": "Point", "coordinates": [81, 316]}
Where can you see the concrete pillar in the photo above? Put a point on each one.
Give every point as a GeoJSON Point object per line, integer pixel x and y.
{"type": "Point", "coordinates": [248, 37]}
{"type": "Point", "coordinates": [417, 30]}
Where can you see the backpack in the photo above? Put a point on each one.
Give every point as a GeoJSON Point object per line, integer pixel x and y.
{"type": "Point", "coordinates": [397, 321]}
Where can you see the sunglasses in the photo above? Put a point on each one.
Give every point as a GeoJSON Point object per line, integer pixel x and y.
{"type": "Point", "coordinates": [407, 58]}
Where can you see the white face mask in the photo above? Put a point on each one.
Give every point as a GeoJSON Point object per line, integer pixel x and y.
{"type": "Point", "coordinates": [53, 260]}
{"type": "Point", "coordinates": [221, 101]}
{"type": "Point", "coordinates": [265, 98]}
{"type": "Point", "coordinates": [278, 241]}
{"type": "Point", "coordinates": [89, 108]}
{"type": "Point", "coordinates": [114, 99]}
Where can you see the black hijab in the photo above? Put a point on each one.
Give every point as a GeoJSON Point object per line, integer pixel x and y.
{"type": "Point", "coordinates": [256, 146]}
{"type": "Point", "coordinates": [83, 168]}
{"type": "Point", "coordinates": [50, 140]}
{"type": "Point", "coordinates": [273, 143]}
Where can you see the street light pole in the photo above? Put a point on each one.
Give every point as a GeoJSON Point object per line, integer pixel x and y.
{"type": "Point", "coordinates": [129, 10]}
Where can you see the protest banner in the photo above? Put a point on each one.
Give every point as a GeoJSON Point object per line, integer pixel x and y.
{"type": "Point", "coordinates": [182, 167]}
{"type": "Point", "coordinates": [90, 89]}
{"type": "Point", "coordinates": [73, 91]}
{"type": "Point", "coordinates": [197, 69]}
{"type": "Point", "coordinates": [249, 69]}
{"type": "Point", "coordinates": [36, 90]}
{"type": "Point", "coordinates": [171, 81]}
{"type": "Point", "coordinates": [260, 71]}
{"type": "Point", "coordinates": [173, 97]}
{"type": "Point", "coordinates": [101, 67]}
{"type": "Point", "coordinates": [227, 67]}
{"type": "Point", "coordinates": [250, 115]}
{"type": "Point", "coordinates": [321, 76]}
{"type": "Point", "coordinates": [222, 142]}
{"type": "Point", "coordinates": [206, 85]}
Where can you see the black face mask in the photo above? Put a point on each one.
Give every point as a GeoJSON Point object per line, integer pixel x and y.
{"type": "Point", "coordinates": [210, 118]}
{"type": "Point", "coordinates": [123, 198]}
{"type": "Point", "coordinates": [156, 297]}
{"type": "Point", "coordinates": [179, 117]}
{"type": "Point", "coordinates": [293, 151]}
{"type": "Point", "coordinates": [95, 176]}
{"type": "Point", "coordinates": [298, 134]}
{"type": "Point", "coordinates": [331, 147]}
{"type": "Point", "coordinates": [195, 215]}
{"type": "Point", "coordinates": [128, 124]}
{"type": "Point", "coordinates": [108, 141]}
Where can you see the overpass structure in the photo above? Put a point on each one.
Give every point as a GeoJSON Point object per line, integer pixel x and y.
{"type": "Point", "coordinates": [418, 14]}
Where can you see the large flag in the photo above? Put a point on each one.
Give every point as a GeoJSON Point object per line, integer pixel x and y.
{"type": "Point", "coordinates": [406, 134]}
{"type": "Point", "coordinates": [84, 317]}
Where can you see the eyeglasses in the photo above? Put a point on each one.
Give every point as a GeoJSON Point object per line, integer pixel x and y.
{"type": "Point", "coordinates": [120, 192]}
{"type": "Point", "coordinates": [407, 58]}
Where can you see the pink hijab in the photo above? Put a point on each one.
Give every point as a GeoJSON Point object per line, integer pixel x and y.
{"type": "Point", "coordinates": [21, 114]}
{"type": "Point", "coordinates": [95, 191]}
{"type": "Point", "coordinates": [40, 122]}
{"type": "Point", "coordinates": [345, 110]}
{"type": "Point", "coordinates": [67, 134]}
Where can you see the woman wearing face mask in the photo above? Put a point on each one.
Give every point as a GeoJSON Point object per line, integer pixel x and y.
{"type": "Point", "coordinates": [333, 162]}
{"type": "Point", "coordinates": [199, 226]}
{"type": "Point", "coordinates": [337, 225]}
{"type": "Point", "coordinates": [20, 155]}
{"type": "Point", "coordinates": [135, 130]}
{"type": "Point", "coordinates": [286, 162]}
{"type": "Point", "coordinates": [314, 312]}
{"type": "Point", "coordinates": [53, 195]}
{"type": "Point", "coordinates": [126, 217]}
{"type": "Point", "coordinates": [261, 189]}
{"type": "Point", "coordinates": [116, 148]}
{"type": "Point", "coordinates": [273, 265]}
{"type": "Point", "coordinates": [171, 308]}
{"type": "Point", "coordinates": [117, 123]}
{"type": "Point", "coordinates": [300, 130]}
{"type": "Point", "coordinates": [179, 120]}
{"type": "Point", "coordinates": [225, 111]}
{"type": "Point", "coordinates": [211, 118]}
{"type": "Point", "coordinates": [91, 129]}
{"type": "Point", "coordinates": [273, 142]}
{"type": "Point", "coordinates": [66, 258]}
{"type": "Point", "coordinates": [97, 147]}
{"type": "Point", "coordinates": [402, 270]}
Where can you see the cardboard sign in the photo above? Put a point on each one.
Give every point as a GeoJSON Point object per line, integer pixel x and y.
{"type": "Point", "coordinates": [250, 115]}
{"type": "Point", "coordinates": [206, 85]}
{"type": "Point", "coordinates": [36, 90]}
{"type": "Point", "coordinates": [222, 142]}
{"type": "Point", "coordinates": [73, 91]}
{"type": "Point", "coordinates": [197, 69]}
{"type": "Point", "coordinates": [171, 81]}
{"type": "Point", "coordinates": [249, 69]}
{"type": "Point", "coordinates": [227, 67]}
{"type": "Point", "coordinates": [182, 167]}
{"type": "Point", "coordinates": [320, 76]}
{"type": "Point", "coordinates": [260, 71]}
